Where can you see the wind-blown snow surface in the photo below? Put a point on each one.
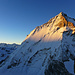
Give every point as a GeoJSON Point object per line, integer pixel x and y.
{"type": "Point", "coordinates": [52, 41]}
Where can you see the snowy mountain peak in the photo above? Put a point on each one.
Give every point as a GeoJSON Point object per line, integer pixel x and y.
{"type": "Point", "coordinates": [47, 46]}
{"type": "Point", "coordinates": [63, 14]}
{"type": "Point", "coordinates": [57, 23]}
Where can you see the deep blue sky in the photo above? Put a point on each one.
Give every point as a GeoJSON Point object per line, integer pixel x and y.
{"type": "Point", "coordinates": [19, 17]}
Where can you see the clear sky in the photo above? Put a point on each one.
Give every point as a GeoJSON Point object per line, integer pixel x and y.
{"type": "Point", "coordinates": [19, 17]}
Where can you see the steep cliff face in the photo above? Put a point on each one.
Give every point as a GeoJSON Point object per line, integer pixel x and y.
{"type": "Point", "coordinates": [47, 46]}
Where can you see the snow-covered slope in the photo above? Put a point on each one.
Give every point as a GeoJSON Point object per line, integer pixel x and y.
{"type": "Point", "coordinates": [6, 50]}
{"type": "Point", "coordinates": [47, 46]}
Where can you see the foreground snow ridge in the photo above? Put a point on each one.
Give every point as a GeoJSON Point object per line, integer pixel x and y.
{"type": "Point", "coordinates": [45, 50]}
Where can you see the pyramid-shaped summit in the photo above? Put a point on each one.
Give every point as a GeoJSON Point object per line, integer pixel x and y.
{"type": "Point", "coordinates": [57, 22]}
{"type": "Point", "coordinates": [45, 50]}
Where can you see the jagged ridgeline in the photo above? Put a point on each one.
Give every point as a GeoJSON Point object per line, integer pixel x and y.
{"type": "Point", "coordinates": [46, 50]}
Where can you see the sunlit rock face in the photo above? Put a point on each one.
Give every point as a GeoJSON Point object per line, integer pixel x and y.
{"type": "Point", "coordinates": [52, 43]}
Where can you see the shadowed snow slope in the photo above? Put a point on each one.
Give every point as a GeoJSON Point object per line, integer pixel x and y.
{"type": "Point", "coordinates": [6, 50]}
{"type": "Point", "coordinates": [48, 45]}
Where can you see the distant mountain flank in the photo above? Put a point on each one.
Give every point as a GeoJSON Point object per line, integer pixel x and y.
{"type": "Point", "coordinates": [48, 50]}
{"type": "Point", "coordinates": [9, 45]}
{"type": "Point", "coordinates": [6, 50]}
